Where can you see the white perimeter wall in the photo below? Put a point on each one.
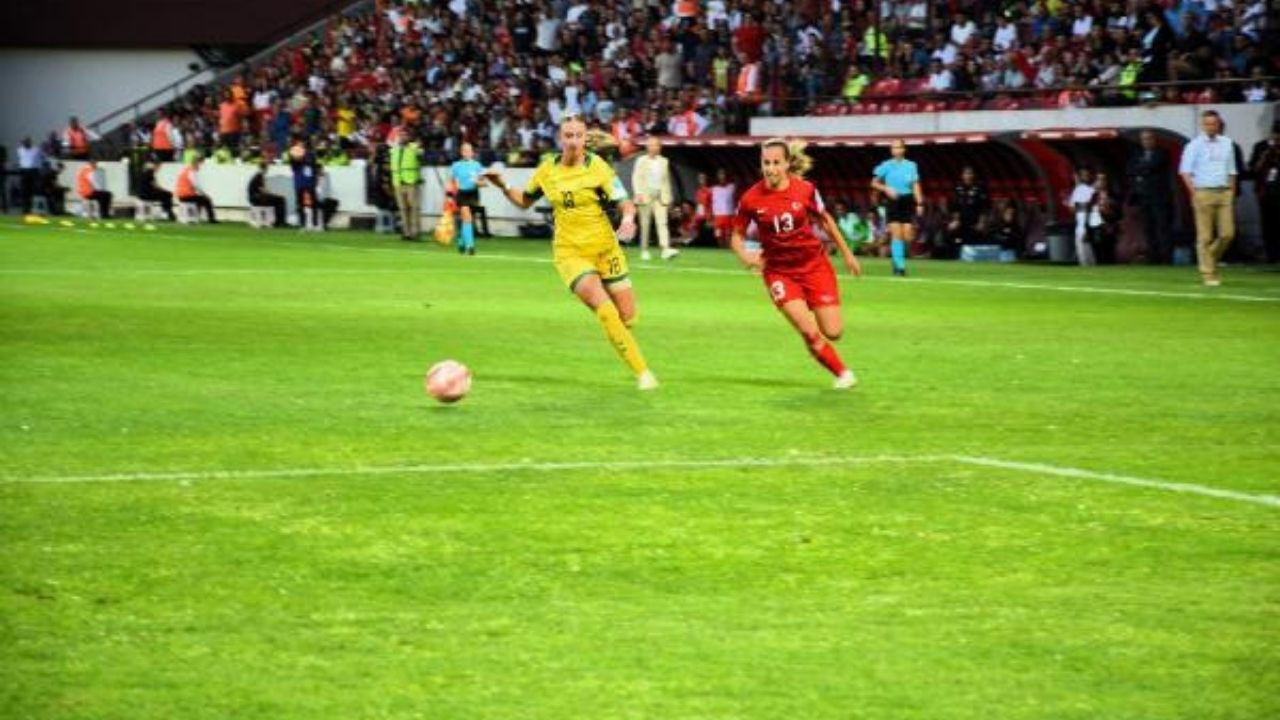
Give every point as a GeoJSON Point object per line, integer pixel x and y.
{"type": "Point", "coordinates": [227, 186]}
{"type": "Point", "coordinates": [40, 88]}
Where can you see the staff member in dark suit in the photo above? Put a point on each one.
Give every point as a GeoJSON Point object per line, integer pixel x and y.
{"type": "Point", "coordinates": [149, 191]}
{"type": "Point", "coordinates": [1264, 162]}
{"type": "Point", "coordinates": [1151, 192]}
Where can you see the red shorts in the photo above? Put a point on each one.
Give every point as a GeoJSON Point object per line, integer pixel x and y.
{"type": "Point", "coordinates": [723, 224]}
{"type": "Point", "coordinates": [816, 285]}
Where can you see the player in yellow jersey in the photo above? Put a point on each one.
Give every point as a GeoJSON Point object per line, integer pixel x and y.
{"type": "Point", "coordinates": [577, 183]}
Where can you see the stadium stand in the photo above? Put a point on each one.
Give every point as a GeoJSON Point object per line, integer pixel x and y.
{"type": "Point", "coordinates": [499, 74]}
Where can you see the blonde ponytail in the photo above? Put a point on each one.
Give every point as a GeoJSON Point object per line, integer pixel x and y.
{"type": "Point", "coordinates": [798, 162]}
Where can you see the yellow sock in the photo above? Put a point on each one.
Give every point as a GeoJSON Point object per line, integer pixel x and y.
{"type": "Point", "coordinates": [621, 337]}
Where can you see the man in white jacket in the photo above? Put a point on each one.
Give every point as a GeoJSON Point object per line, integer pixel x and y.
{"type": "Point", "coordinates": [651, 182]}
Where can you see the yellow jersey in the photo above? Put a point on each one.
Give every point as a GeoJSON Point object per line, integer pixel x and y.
{"type": "Point", "coordinates": [577, 195]}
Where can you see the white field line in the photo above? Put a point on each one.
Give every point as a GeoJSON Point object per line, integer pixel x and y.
{"type": "Point", "coordinates": [1043, 469]}
{"type": "Point", "coordinates": [747, 462]}
{"type": "Point", "coordinates": [722, 271]}
{"type": "Point", "coordinates": [454, 468]}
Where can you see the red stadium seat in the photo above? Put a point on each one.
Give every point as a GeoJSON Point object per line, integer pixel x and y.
{"type": "Point", "coordinates": [887, 86]}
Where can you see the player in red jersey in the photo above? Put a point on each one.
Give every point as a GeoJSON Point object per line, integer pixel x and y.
{"type": "Point", "coordinates": [793, 263]}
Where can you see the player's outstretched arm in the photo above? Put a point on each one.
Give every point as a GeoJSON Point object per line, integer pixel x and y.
{"type": "Point", "coordinates": [833, 232]}
{"type": "Point", "coordinates": [627, 228]}
{"type": "Point", "coordinates": [738, 243]}
{"type": "Point", "coordinates": [517, 197]}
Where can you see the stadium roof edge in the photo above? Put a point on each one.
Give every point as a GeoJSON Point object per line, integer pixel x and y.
{"type": "Point", "coordinates": [1071, 134]}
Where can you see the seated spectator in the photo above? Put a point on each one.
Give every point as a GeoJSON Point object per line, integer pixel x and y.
{"type": "Point", "coordinates": [149, 191]}
{"type": "Point", "coordinates": [1007, 231]}
{"type": "Point", "coordinates": [89, 186]}
{"type": "Point", "coordinates": [954, 236]}
{"type": "Point", "coordinates": [1105, 213]}
{"type": "Point", "coordinates": [325, 200]}
{"type": "Point", "coordinates": [259, 197]}
{"type": "Point", "coordinates": [855, 228]}
{"type": "Point", "coordinates": [940, 78]}
{"type": "Point", "coordinates": [687, 228]}
{"type": "Point", "coordinates": [187, 188]}
{"type": "Point", "coordinates": [877, 244]}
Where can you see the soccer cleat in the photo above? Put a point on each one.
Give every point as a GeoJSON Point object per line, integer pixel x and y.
{"type": "Point", "coordinates": [1212, 282]}
{"type": "Point", "coordinates": [845, 380]}
{"type": "Point", "coordinates": [647, 381]}
{"type": "Point", "coordinates": [669, 253]}
{"type": "Point", "coordinates": [644, 255]}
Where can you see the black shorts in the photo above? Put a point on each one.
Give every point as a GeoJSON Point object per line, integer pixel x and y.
{"type": "Point", "coordinates": [468, 198]}
{"type": "Point", "coordinates": [901, 209]}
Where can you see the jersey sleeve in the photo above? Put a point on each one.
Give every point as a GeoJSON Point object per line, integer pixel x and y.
{"type": "Point", "coordinates": [816, 205]}
{"type": "Point", "coordinates": [611, 186]}
{"type": "Point", "coordinates": [915, 173]}
{"type": "Point", "coordinates": [533, 189]}
{"type": "Point", "coordinates": [742, 218]}
{"type": "Point", "coordinates": [879, 172]}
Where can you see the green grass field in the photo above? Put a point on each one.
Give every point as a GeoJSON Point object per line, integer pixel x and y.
{"type": "Point", "coordinates": [224, 494]}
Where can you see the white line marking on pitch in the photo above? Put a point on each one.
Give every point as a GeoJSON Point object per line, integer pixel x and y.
{"type": "Point", "coordinates": [1043, 469]}
{"type": "Point", "coordinates": [448, 468]}
{"type": "Point", "coordinates": [453, 468]}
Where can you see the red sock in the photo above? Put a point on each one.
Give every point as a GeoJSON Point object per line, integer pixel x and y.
{"type": "Point", "coordinates": [825, 353]}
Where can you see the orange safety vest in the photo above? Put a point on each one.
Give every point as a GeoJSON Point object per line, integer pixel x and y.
{"type": "Point", "coordinates": [84, 182]}
{"type": "Point", "coordinates": [228, 118]}
{"type": "Point", "coordinates": [77, 139]}
{"type": "Point", "coordinates": [749, 81]}
{"type": "Point", "coordinates": [185, 187]}
{"type": "Point", "coordinates": [160, 139]}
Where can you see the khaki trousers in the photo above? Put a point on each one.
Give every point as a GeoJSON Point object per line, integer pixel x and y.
{"type": "Point", "coordinates": [658, 212]}
{"type": "Point", "coordinates": [1215, 226]}
{"type": "Point", "coordinates": [409, 200]}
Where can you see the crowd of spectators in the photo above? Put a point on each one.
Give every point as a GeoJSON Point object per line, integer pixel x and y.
{"type": "Point", "coordinates": [501, 74]}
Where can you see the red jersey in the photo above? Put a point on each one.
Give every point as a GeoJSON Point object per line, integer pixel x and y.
{"type": "Point", "coordinates": [782, 221]}
{"type": "Point", "coordinates": [704, 203]}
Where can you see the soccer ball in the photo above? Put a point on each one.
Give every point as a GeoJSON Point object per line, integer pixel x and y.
{"type": "Point", "coordinates": [448, 381]}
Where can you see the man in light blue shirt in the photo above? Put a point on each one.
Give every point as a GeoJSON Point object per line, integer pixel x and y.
{"type": "Point", "coordinates": [1209, 170]}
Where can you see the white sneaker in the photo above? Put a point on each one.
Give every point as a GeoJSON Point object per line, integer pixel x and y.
{"type": "Point", "coordinates": [669, 253]}
{"type": "Point", "coordinates": [1212, 282]}
{"type": "Point", "coordinates": [647, 381]}
{"type": "Point", "coordinates": [644, 255]}
{"type": "Point", "coordinates": [845, 381]}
